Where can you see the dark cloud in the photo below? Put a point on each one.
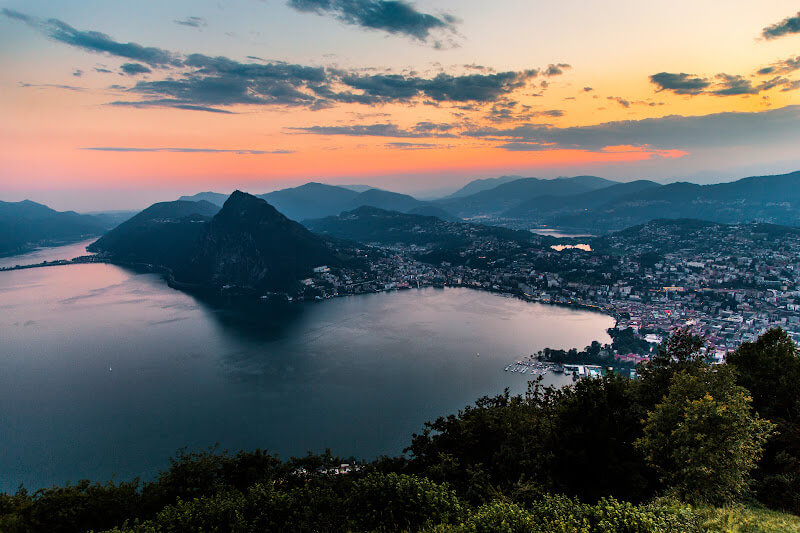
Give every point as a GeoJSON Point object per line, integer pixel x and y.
{"type": "Point", "coordinates": [787, 26]}
{"type": "Point", "coordinates": [443, 87]}
{"type": "Point", "coordinates": [200, 82]}
{"type": "Point", "coordinates": [186, 150]}
{"type": "Point", "coordinates": [102, 70]}
{"type": "Point", "coordinates": [785, 66]}
{"type": "Point", "coordinates": [77, 73]}
{"type": "Point", "coordinates": [392, 16]}
{"type": "Point", "coordinates": [94, 41]}
{"type": "Point", "coordinates": [670, 132]}
{"type": "Point", "coordinates": [192, 22]}
{"type": "Point", "coordinates": [588, 89]}
{"type": "Point", "coordinates": [679, 83]}
{"type": "Point", "coordinates": [556, 69]}
{"type": "Point", "coordinates": [721, 84]}
{"type": "Point", "coordinates": [133, 69]}
{"type": "Point", "coordinates": [621, 101]}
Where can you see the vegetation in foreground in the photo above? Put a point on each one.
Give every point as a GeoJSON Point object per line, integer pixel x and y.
{"type": "Point", "coordinates": [687, 447]}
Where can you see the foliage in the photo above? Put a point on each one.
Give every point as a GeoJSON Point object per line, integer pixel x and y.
{"type": "Point", "coordinates": [703, 438]}
{"type": "Point", "coordinates": [770, 369]}
{"type": "Point", "coordinates": [588, 457]}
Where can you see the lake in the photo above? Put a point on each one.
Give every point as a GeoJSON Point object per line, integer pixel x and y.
{"type": "Point", "coordinates": [52, 253]}
{"type": "Point", "coordinates": [106, 371]}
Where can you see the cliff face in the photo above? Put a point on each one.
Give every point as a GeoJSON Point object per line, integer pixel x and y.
{"type": "Point", "coordinates": [250, 244]}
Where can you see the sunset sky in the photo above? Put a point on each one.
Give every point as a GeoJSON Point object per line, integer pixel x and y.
{"type": "Point", "coordinates": [111, 104]}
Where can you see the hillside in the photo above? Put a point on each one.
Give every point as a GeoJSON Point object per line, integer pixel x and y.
{"type": "Point", "coordinates": [372, 225]}
{"type": "Point", "coordinates": [215, 198]}
{"type": "Point", "coordinates": [26, 224]}
{"type": "Point", "coordinates": [164, 234]}
{"type": "Point", "coordinates": [476, 186]}
{"type": "Point", "coordinates": [498, 200]}
{"type": "Point", "coordinates": [312, 200]}
{"type": "Point", "coordinates": [250, 244]}
{"type": "Point", "coordinates": [772, 199]}
{"type": "Point", "coordinates": [542, 207]}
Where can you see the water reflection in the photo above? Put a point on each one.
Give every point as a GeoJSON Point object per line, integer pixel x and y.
{"type": "Point", "coordinates": [108, 370]}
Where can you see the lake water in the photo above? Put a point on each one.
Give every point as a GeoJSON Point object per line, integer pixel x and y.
{"type": "Point", "coordinates": [54, 253]}
{"type": "Point", "coordinates": [105, 371]}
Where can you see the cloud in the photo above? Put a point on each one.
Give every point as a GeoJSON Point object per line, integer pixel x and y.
{"type": "Point", "coordinates": [392, 16]}
{"type": "Point", "coordinates": [721, 84]}
{"type": "Point", "coordinates": [192, 22]}
{"type": "Point", "coordinates": [186, 150]}
{"type": "Point", "coordinates": [787, 26]}
{"type": "Point", "coordinates": [556, 70]}
{"type": "Point", "coordinates": [133, 69]}
{"type": "Point", "coordinates": [784, 66]}
{"type": "Point", "coordinates": [679, 83]}
{"type": "Point", "coordinates": [205, 83]}
{"type": "Point", "coordinates": [776, 126]}
{"type": "Point", "coordinates": [411, 146]}
{"type": "Point", "coordinates": [443, 87]}
{"type": "Point", "coordinates": [371, 130]}
{"type": "Point", "coordinates": [94, 41]}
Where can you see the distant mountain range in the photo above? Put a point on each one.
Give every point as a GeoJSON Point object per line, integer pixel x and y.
{"type": "Point", "coordinates": [496, 201]}
{"type": "Point", "coordinates": [246, 243]}
{"type": "Point", "coordinates": [315, 200]}
{"type": "Point", "coordinates": [26, 224]}
{"type": "Point", "coordinates": [479, 185]}
{"type": "Point", "coordinates": [771, 199]}
{"type": "Point", "coordinates": [585, 203]}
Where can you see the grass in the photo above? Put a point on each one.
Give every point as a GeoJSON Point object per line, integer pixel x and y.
{"type": "Point", "coordinates": [747, 519]}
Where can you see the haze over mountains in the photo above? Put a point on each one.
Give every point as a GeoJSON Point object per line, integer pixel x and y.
{"type": "Point", "coordinates": [26, 224]}
{"type": "Point", "coordinates": [581, 203]}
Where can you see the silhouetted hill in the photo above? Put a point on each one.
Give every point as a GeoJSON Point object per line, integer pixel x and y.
{"type": "Point", "coordinates": [500, 199]}
{"type": "Point", "coordinates": [542, 206]}
{"type": "Point", "coordinates": [373, 225]}
{"type": "Point", "coordinates": [215, 198]}
{"type": "Point", "coordinates": [312, 200]}
{"type": "Point", "coordinates": [772, 199]}
{"type": "Point", "coordinates": [250, 244]}
{"type": "Point", "coordinates": [434, 211]}
{"type": "Point", "coordinates": [164, 234]}
{"type": "Point", "coordinates": [479, 185]}
{"type": "Point", "coordinates": [391, 201]}
{"type": "Point", "coordinates": [26, 224]}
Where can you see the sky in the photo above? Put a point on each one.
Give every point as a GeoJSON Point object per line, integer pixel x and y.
{"type": "Point", "coordinates": [115, 104]}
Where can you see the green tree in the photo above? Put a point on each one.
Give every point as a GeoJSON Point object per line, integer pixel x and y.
{"type": "Point", "coordinates": [770, 369]}
{"type": "Point", "coordinates": [703, 438]}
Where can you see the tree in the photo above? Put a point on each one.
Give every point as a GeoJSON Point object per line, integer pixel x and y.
{"type": "Point", "coordinates": [680, 353]}
{"type": "Point", "coordinates": [703, 438]}
{"type": "Point", "coordinates": [770, 369]}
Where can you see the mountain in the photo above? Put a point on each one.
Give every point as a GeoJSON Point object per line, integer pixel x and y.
{"type": "Point", "coordinates": [541, 206]}
{"type": "Point", "coordinates": [163, 234]}
{"type": "Point", "coordinates": [312, 200]}
{"type": "Point", "coordinates": [26, 224]}
{"type": "Point", "coordinates": [215, 198]}
{"type": "Point", "coordinates": [496, 201]}
{"type": "Point", "coordinates": [390, 201]}
{"type": "Point", "coordinates": [373, 225]}
{"type": "Point", "coordinates": [433, 211]}
{"type": "Point", "coordinates": [250, 244]}
{"type": "Point", "coordinates": [772, 199]}
{"type": "Point", "coordinates": [357, 188]}
{"type": "Point", "coordinates": [479, 185]}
